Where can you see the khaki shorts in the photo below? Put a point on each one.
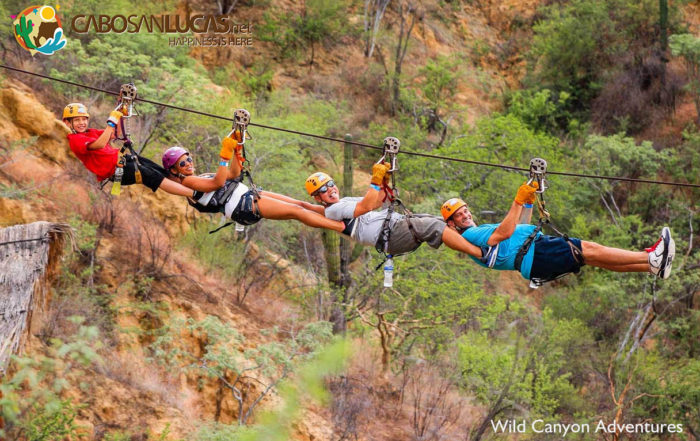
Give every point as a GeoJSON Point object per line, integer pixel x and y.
{"type": "Point", "coordinates": [427, 228]}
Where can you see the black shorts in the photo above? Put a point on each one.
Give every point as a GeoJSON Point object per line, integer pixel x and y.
{"type": "Point", "coordinates": [152, 174]}
{"type": "Point", "coordinates": [246, 212]}
{"type": "Point", "coordinates": [554, 257]}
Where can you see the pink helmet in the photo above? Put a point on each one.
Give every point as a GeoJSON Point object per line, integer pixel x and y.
{"type": "Point", "coordinates": [171, 156]}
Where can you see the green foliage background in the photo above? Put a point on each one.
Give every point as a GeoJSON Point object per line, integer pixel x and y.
{"type": "Point", "coordinates": [549, 352]}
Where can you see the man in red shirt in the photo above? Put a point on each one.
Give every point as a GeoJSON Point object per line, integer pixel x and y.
{"type": "Point", "coordinates": [92, 147]}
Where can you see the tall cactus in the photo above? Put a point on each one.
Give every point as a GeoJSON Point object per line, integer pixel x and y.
{"type": "Point", "coordinates": [23, 29]}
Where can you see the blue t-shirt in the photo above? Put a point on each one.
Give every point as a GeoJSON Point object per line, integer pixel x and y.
{"type": "Point", "coordinates": [508, 249]}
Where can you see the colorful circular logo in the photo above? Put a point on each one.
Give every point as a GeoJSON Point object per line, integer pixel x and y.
{"type": "Point", "coordinates": [38, 29]}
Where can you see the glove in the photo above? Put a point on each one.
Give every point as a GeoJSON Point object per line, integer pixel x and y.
{"type": "Point", "coordinates": [378, 173]}
{"type": "Point", "coordinates": [387, 176]}
{"type": "Point", "coordinates": [237, 135]}
{"type": "Point", "coordinates": [526, 193]}
{"type": "Point", "coordinates": [228, 145]}
{"type": "Point", "coordinates": [114, 117]}
{"type": "Point", "coordinates": [531, 200]}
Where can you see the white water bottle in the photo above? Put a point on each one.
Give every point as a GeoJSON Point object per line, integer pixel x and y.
{"type": "Point", "coordinates": [389, 273]}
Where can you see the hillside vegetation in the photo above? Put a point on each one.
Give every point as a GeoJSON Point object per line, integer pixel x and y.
{"type": "Point", "coordinates": [158, 330]}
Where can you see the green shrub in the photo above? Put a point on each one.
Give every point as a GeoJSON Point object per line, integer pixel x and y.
{"type": "Point", "coordinates": [33, 399]}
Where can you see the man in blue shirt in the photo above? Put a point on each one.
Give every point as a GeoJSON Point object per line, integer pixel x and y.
{"type": "Point", "coordinates": [547, 257]}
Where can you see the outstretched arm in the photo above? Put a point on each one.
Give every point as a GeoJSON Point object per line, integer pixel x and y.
{"type": "Point", "coordinates": [207, 184]}
{"type": "Point", "coordinates": [231, 150]}
{"type": "Point", "coordinates": [108, 133]}
{"type": "Point", "coordinates": [526, 215]}
{"type": "Point", "coordinates": [228, 146]}
{"type": "Point", "coordinates": [507, 226]}
{"type": "Point", "coordinates": [374, 197]}
{"type": "Point", "coordinates": [102, 140]}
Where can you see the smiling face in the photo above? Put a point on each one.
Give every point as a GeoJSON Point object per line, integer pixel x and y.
{"type": "Point", "coordinates": [462, 219]}
{"type": "Point", "coordinates": [78, 123]}
{"type": "Point", "coordinates": [330, 196]}
{"type": "Point", "coordinates": [183, 166]}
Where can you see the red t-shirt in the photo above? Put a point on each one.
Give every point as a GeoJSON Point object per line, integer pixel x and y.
{"type": "Point", "coordinates": [101, 161]}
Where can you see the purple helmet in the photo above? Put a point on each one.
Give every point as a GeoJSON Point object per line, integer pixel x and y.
{"type": "Point", "coordinates": [171, 156]}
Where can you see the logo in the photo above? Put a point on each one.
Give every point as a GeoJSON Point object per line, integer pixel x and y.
{"type": "Point", "coordinates": [38, 29]}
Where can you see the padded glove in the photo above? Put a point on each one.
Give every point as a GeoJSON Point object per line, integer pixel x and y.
{"type": "Point", "coordinates": [227, 147]}
{"type": "Point", "coordinates": [526, 193]}
{"type": "Point", "coordinates": [387, 176]}
{"type": "Point", "coordinates": [114, 117]}
{"type": "Point", "coordinates": [378, 173]}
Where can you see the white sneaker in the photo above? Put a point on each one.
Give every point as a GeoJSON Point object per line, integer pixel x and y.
{"type": "Point", "coordinates": [661, 254]}
{"type": "Point", "coordinates": [671, 254]}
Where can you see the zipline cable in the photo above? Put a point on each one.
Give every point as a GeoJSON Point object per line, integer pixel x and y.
{"type": "Point", "coordinates": [24, 240]}
{"type": "Point", "coordinates": [362, 144]}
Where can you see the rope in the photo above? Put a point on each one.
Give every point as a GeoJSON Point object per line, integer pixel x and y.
{"type": "Point", "coordinates": [24, 240]}
{"type": "Point", "coordinates": [362, 144]}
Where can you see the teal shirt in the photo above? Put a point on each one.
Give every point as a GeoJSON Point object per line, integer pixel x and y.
{"type": "Point", "coordinates": [480, 235]}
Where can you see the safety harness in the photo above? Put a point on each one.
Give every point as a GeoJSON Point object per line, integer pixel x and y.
{"type": "Point", "coordinates": [125, 105]}
{"type": "Point", "coordinates": [241, 119]}
{"type": "Point", "coordinates": [391, 193]}
{"type": "Point", "coordinates": [538, 171]}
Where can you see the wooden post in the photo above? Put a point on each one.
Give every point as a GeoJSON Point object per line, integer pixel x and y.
{"type": "Point", "coordinates": [345, 245]}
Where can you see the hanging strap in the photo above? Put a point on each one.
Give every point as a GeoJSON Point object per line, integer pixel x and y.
{"type": "Point", "coordinates": [125, 104]}
{"type": "Point", "coordinates": [525, 247]}
{"type": "Point", "coordinates": [545, 219]}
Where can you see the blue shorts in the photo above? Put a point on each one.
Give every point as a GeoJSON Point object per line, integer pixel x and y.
{"type": "Point", "coordinates": [554, 257]}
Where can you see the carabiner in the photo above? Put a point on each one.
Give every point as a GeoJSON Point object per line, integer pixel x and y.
{"type": "Point", "coordinates": [538, 170]}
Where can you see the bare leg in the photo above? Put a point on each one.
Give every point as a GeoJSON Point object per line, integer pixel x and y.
{"type": "Point", "coordinates": [614, 259]}
{"type": "Point", "coordinates": [452, 239]}
{"type": "Point", "coordinates": [271, 208]}
{"type": "Point", "coordinates": [631, 268]}
{"type": "Point", "coordinates": [280, 197]}
{"type": "Point", "coordinates": [175, 188]}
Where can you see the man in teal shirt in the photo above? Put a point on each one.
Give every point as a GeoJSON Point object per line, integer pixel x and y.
{"type": "Point", "coordinates": [544, 257]}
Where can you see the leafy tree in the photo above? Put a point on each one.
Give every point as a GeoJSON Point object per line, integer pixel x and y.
{"type": "Point", "coordinates": [618, 156]}
{"type": "Point", "coordinates": [318, 21]}
{"type": "Point", "coordinates": [220, 358]}
{"type": "Point", "coordinates": [440, 77]}
{"type": "Point", "coordinates": [688, 47]}
{"type": "Point", "coordinates": [275, 425]}
{"type": "Point", "coordinates": [540, 110]}
{"type": "Point", "coordinates": [578, 45]}
{"type": "Point", "coordinates": [512, 376]}
{"type": "Point", "coordinates": [33, 400]}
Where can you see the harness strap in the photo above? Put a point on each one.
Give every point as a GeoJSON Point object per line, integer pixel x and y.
{"type": "Point", "coordinates": [525, 247]}
{"type": "Point", "coordinates": [223, 226]}
{"type": "Point", "coordinates": [225, 197]}
{"type": "Point", "coordinates": [411, 228]}
{"type": "Point", "coordinates": [382, 244]}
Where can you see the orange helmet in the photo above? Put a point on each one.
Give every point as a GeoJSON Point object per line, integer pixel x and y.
{"type": "Point", "coordinates": [450, 207]}
{"type": "Point", "coordinates": [75, 109]}
{"type": "Point", "coordinates": [316, 181]}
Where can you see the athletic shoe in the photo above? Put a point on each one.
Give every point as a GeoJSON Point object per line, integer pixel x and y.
{"type": "Point", "coordinates": [661, 254]}
{"type": "Point", "coordinates": [671, 254]}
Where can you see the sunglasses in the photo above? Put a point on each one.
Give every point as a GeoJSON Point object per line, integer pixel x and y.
{"type": "Point", "coordinates": [185, 161]}
{"type": "Point", "coordinates": [324, 188]}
